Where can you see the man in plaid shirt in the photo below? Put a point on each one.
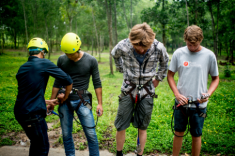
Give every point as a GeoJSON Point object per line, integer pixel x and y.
{"type": "Point", "coordinates": [137, 58]}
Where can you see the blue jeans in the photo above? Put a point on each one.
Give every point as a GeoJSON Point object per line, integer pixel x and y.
{"type": "Point", "coordinates": [87, 120]}
{"type": "Point", "coordinates": [36, 130]}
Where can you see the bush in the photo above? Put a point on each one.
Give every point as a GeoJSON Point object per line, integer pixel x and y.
{"type": "Point", "coordinates": [227, 71]}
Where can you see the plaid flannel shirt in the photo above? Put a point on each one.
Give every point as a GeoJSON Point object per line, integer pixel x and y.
{"type": "Point", "coordinates": [127, 64]}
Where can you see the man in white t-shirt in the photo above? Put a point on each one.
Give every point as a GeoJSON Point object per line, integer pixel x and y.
{"type": "Point", "coordinates": [193, 63]}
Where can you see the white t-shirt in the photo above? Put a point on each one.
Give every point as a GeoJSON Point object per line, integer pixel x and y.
{"type": "Point", "coordinates": [193, 69]}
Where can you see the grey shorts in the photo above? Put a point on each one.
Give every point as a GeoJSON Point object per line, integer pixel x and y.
{"type": "Point", "coordinates": [139, 117]}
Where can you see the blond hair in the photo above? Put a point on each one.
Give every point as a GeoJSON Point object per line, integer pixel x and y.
{"type": "Point", "coordinates": [193, 34]}
{"type": "Point", "coordinates": [141, 34]}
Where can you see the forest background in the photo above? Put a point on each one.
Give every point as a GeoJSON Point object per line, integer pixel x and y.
{"type": "Point", "coordinates": [101, 24]}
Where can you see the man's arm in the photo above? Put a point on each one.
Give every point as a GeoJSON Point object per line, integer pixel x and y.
{"type": "Point", "coordinates": [99, 109]}
{"type": "Point", "coordinates": [155, 83]}
{"type": "Point", "coordinates": [163, 63]}
{"type": "Point", "coordinates": [214, 84]}
{"type": "Point", "coordinates": [180, 98]}
{"type": "Point", "coordinates": [63, 98]}
{"type": "Point", "coordinates": [61, 78]}
{"type": "Point", "coordinates": [54, 92]}
{"type": "Point", "coordinates": [51, 103]}
{"type": "Point", "coordinates": [97, 85]}
{"type": "Point", "coordinates": [116, 53]}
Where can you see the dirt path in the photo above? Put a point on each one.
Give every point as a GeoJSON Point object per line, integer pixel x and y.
{"type": "Point", "coordinates": [21, 148]}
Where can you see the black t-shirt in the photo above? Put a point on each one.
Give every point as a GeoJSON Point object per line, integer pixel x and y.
{"type": "Point", "coordinates": [80, 72]}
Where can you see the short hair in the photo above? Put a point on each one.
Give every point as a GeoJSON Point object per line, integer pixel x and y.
{"type": "Point", "coordinates": [141, 34]}
{"type": "Point", "coordinates": [193, 34]}
{"type": "Point", "coordinates": [34, 52]}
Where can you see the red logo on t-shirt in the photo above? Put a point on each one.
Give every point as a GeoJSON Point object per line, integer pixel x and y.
{"type": "Point", "coordinates": [185, 64]}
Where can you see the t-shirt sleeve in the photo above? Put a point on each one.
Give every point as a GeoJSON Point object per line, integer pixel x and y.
{"type": "Point", "coordinates": [213, 70]}
{"type": "Point", "coordinates": [173, 64]}
{"type": "Point", "coordinates": [95, 74]}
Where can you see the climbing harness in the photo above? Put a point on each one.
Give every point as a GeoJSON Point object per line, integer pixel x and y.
{"type": "Point", "coordinates": [136, 102]}
{"type": "Point", "coordinates": [190, 102]}
{"type": "Point", "coordinates": [138, 97]}
{"type": "Point", "coordinates": [85, 103]}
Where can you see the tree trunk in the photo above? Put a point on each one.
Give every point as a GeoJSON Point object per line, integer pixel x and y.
{"type": "Point", "coordinates": [25, 23]}
{"type": "Point", "coordinates": [92, 47]}
{"type": "Point", "coordinates": [100, 49]}
{"type": "Point", "coordinates": [70, 24]}
{"type": "Point", "coordinates": [47, 36]}
{"type": "Point", "coordinates": [226, 48]}
{"type": "Point", "coordinates": [18, 41]}
{"type": "Point", "coordinates": [34, 12]}
{"type": "Point", "coordinates": [115, 22]}
{"type": "Point", "coordinates": [196, 7]}
{"type": "Point", "coordinates": [213, 28]}
{"type": "Point", "coordinates": [109, 16]}
{"type": "Point", "coordinates": [56, 40]}
{"type": "Point", "coordinates": [14, 38]}
{"type": "Point", "coordinates": [76, 26]}
{"type": "Point", "coordinates": [2, 34]}
{"type": "Point", "coordinates": [124, 11]}
{"type": "Point", "coordinates": [231, 51]}
{"type": "Point", "coordinates": [96, 33]}
{"type": "Point", "coordinates": [131, 16]}
{"type": "Point", "coordinates": [101, 43]}
{"type": "Point", "coordinates": [217, 32]}
{"type": "Point", "coordinates": [187, 12]}
{"type": "Point", "coordinates": [163, 26]}
{"type": "Point", "coordinates": [220, 48]}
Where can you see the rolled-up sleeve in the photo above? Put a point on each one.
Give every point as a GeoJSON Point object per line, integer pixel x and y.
{"type": "Point", "coordinates": [116, 53]}
{"type": "Point", "coordinates": [163, 64]}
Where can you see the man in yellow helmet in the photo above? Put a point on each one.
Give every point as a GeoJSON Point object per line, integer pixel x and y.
{"type": "Point", "coordinates": [30, 107]}
{"type": "Point", "coordinates": [80, 66]}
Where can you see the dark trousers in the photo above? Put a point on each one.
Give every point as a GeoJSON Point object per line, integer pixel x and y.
{"type": "Point", "coordinates": [35, 128]}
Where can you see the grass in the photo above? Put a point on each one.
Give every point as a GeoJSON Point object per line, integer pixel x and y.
{"type": "Point", "coordinates": [218, 132]}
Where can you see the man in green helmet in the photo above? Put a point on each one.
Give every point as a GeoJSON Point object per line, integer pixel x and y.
{"type": "Point", "coordinates": [30, 107]}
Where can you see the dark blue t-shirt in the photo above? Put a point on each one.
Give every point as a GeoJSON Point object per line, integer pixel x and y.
{"type": "Point", "coordinates": [32, 80]}
{"type": "Point", "coordinates": [140, 58]}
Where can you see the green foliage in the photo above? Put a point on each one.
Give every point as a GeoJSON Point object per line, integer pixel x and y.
{"type": "Point", "coordinates": [6, 141]}
{"type": "Point", "coordinates": [227, 71]}
{"type": "Point", "coordinates": [60, 140]}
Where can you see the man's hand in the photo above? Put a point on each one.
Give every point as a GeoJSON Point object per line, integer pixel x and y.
{"type": "Point", "coordinates": [61, 97]}
{"type": "Point", "coordinates": [99, 110]}
{"type": "Point", "coordinates": [203, 100]}
{"type": "Point", "coordinates": [155, 83]}
{"type": "Point", "coordinates": [181, 99]}
{"type": "Point", "coordinates": [52, 102]}
{"type": "Point", "coordinates": [50, 107]}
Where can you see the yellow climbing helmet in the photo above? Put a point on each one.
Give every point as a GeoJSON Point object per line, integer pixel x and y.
{"type": "Point", "coordinates": [70, 43]}
{"type": "Point", "coordinates": [37, 44]}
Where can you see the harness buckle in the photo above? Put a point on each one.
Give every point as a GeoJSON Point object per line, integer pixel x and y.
{"type": "Point", "coordinates": [204, 115]}
{"type": "Point", "coordinates": [87, 105]}
{"type": "Point", "coordinates": [139, 87]}
{"type": "Point", "coordinates": [124, 92]}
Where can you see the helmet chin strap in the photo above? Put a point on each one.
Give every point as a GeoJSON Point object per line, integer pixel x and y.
{"type": "Point", "coordinates": [44, 54]}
